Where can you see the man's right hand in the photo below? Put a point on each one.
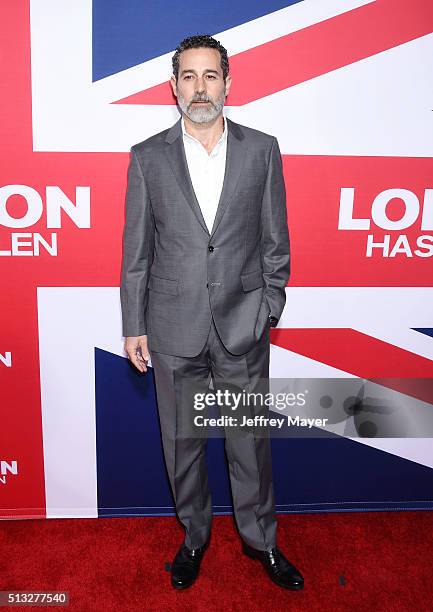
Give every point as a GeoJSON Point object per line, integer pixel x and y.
{"type": "Point", "coordinates": [137, 351]}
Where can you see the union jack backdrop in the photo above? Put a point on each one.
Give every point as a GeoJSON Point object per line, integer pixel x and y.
{"type": "Point", "coordinates": [346, 87]}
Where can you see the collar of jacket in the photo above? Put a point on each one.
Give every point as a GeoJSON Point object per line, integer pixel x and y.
{"type": "Point", "coordinates": [176, 130]}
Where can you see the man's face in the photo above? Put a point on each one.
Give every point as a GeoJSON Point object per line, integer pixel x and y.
{"type": "Point", "coordinates": [200, 88]}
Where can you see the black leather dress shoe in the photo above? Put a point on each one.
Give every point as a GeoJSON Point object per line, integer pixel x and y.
{"type": "Point", "coordinates": [186, 566]}
{"type": "Point", "coordinates": [278, 568]}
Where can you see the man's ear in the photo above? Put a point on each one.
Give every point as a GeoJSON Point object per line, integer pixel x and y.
{"type": "Point", "coordinates": [228, 84]}
{"type": "Point", "coordinates": [173, 85]}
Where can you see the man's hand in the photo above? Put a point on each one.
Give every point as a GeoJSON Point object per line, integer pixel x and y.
{"type": "Point", "coordinates": [138, 353]}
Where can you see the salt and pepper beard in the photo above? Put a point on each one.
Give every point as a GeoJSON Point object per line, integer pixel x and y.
{"type": "Point", "coordinates": [202, 114]}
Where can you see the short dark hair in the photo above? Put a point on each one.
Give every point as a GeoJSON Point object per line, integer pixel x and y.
{"type": "Point", "coordinates": [200, 40]}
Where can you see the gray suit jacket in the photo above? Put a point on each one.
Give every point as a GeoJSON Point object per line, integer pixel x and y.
{"type": "Point", "coordinates": [175, 274]}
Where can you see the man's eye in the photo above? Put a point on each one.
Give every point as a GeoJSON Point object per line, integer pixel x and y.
{"type": "Point", "coordinates": [188, 76]}
{"type": "Point", "coordinates": [211, 76]}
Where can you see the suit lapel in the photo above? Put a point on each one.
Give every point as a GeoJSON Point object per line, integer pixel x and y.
{"type": "Point", "coordinates": [177, 158]}
{"type": "Point", "coordinates": [234, 163]}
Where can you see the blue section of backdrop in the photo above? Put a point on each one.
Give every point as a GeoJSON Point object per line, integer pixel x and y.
{"type": "Point", "coordinates": [320, 474]}
{"type": "Point", "coordinates": [428, 331]}
{"type": "Point", "coordinates": [128, 33]}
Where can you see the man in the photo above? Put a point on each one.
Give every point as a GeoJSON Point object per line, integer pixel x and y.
{"type": "Point", "coordinates": [205, 265]}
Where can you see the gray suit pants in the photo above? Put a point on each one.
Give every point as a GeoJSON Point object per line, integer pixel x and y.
{"type": "Point", "coordinates": [248, 454]}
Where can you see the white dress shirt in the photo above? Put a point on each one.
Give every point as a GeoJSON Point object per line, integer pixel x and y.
{"type": "Point", "coordinates": [206, 171]}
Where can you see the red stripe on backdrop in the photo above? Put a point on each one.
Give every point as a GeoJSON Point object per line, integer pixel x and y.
{"type": "Point", "coordinates": [361, 355]}
{"type": "Point", "coordinates": [325, 256]}
{"type": "Point", "coordinates": [354, 352]}
{"type": "Point", "coordinates": [316, 50]}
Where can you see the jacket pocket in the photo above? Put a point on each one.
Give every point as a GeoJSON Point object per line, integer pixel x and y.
{"type": "Point", "coordinates": [252, 280]}
{"type": "Point", "coordinates": [163, 285]}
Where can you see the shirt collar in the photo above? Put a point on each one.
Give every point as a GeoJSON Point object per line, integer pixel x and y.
{"type": "Point", "coordinates": [223, 135]}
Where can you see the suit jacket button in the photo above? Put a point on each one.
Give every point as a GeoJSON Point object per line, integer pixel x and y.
{"type": "Point", "coordinates": [210, 248]}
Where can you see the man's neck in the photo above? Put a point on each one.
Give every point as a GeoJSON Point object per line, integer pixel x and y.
{"type": "Point", "coordinates": [207, 133]}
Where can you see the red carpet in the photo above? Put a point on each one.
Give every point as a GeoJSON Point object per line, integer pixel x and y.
{"type": "Point", "coordinates": [373, 561]}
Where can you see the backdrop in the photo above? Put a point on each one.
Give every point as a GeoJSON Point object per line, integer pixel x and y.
{"type": "Point", "coordinates": [346, 87]}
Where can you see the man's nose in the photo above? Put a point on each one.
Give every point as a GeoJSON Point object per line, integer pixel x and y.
{"type": "Point", "coordinates": [200, 86]}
